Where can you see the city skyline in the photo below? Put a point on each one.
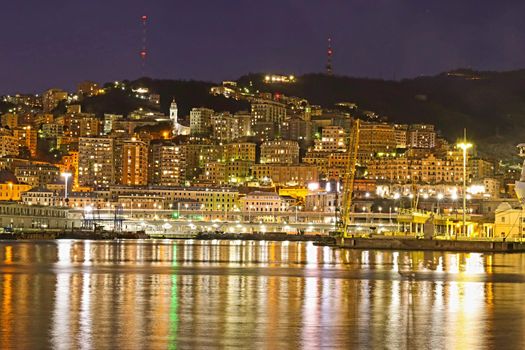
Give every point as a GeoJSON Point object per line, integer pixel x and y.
{"type": "Point", "coordinates": [58, 46]}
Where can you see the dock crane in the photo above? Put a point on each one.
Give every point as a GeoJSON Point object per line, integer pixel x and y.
{"type": "Point", "coordinates": [348, 180]}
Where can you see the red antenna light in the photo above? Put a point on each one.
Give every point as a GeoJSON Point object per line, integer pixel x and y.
{"type": "Point", "coordinates": [329, 53]}
{"type": "Point", "coordinates": [144, 52]}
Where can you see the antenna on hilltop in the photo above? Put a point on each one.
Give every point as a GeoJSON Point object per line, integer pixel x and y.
{"type": "Point", "coordinates": [329, 53]}
{"type": "Point", "coordinates": [143, 52]}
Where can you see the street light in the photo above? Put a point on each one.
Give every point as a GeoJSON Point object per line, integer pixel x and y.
{"type": "Point", "coordinates": [66, 177]}
{"type": "Point", "coordinates": [464, 146]}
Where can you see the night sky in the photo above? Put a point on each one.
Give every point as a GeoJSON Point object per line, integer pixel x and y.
{"type": "Point", "coordinates": [56, 43]}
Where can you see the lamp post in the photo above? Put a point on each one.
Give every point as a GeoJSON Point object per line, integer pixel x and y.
{"type": "Point", "coordinates": [439, 198]}
{"type": "Point", "coordinates": [66, 177]}
{"type": "Point", "coordinates": [296, 216]}
{"type": "Point", "coordinates": [464, 147]}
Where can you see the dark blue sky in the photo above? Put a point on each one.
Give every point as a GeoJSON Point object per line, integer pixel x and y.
{"type": "Point", "coordinates": [56, 43]}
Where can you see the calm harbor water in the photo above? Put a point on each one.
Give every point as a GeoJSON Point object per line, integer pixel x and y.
{"type": "Point", "coordinates": [262, 295]}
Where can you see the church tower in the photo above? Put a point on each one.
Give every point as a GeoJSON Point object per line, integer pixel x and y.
{"type": "Point", "coordinates": [174, 113]}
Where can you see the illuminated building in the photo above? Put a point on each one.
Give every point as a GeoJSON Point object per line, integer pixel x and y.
{"type": "Point", "coordinates": [37, 174]}
{"type": "Point", "coordinates": [10, 120]}
{"type": "Point", "coordinates": [267, 111]}
{"type": "Point", "coordinates": [197, 155]}
{"type": "Point", "coordinates": [238, 171]}
{"type": "Point", "coordinates": [214, 173]}
{"type": "Point", "coordinates": [178, 129]}
{"type": "Point", "coordinates": [166, 164]}
{"type": "Point", "coordinates": [29, 217]}
{"type": "Point", "coordinates": [69, 164]}
{"type": "Point", "coordinates": [264, 131]}
{"type": "Point", "coordinates": [279, 78]}
{"type": "Point", "coordinates": [427, 169]}
{"type": "Point", "coordinates": [96, 161]}
{"type": "Point", "coordinates": [263, 205]}
{"type": "Point", "coordinates": [480, 168]}
{"type": "Point", "coordinates": [109, 122]}
{"type": "Point", "coordinates": [27, 138]}
{"type": "Point", "coordinates": [216, 199]}
{"type": "Point", "coordinates": [225, 127]}
{"type": "Point", "coordinates": [52, 130]}
{"type": "Point", "coordinates": [8, 143]}
{"type": "Point", "coordinates": [323, 201]}
{"type": "Point", "coordinates": [286, 174]}
{"type": "Point", "coordinates": [41, 196]}
{"type": "Point", "coordinates": [80, 124]}
{"type": "Point", "coordinates": [240, 150]}
{"type": "Point", "coordinates": [73, 109]}
{"type": "Point", "coordinates": [89, 126]}
{"type": "Point", "coordinates": [245, 123]}
{"type": "Point", "coordinates": [280, 152]}
{"type": "Point", "coordinates": [375, 138]}
{"type": "Point", "coordinates": [221, 173]}
{"type": "Point", "coordinates": [135, 162]}
{"type": "Point", "coordinates": [51, 98]}
{"type": "Point", "coordinates": [174, 115]}
{"type": "Point", "coordinates": [421, 136]}
{"type": "Point", "coordinates": [401, 134]}
{"type": "Point", "coordinates": [12, 191]}
{"type": "Point", "coordinates": [332, 140]}
{"type": "Point", "coordinates": [297, 129]}
{"type": "Point", "coordinates": [200, 120]}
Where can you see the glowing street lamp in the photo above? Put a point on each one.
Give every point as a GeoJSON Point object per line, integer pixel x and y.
{"type": "Point", "coordinates": [464, 146]}
{"type": "Point", "coordinates": [66, 176]}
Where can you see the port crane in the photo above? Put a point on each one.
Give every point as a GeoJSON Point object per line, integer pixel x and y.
{"type": "Point", "coordinates": [348, 179]}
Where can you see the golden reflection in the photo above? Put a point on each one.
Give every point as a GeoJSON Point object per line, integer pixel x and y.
{"type": "Point", "coordinates": [7, 311]}
{"type": "Point", "coordinates": [8, 255]}
{"type": "Point", "coordinates": [60, 337]}
{"type": "Point", "coordinates": [255, 295]}
{"type": "Point", "coordinates": [474, 263]}
{"type": "Point", "coordinates": [395, 261]}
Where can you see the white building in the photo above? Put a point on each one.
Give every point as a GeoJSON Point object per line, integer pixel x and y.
{"type": "Point", "coordinates": [178, 129]}
{"type": "Point", "coordinates": [264, 206]}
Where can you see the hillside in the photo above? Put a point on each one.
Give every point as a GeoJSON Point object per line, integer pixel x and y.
{"type": "Point", "coordinates": [188, 94]}
{"type": "Point", "coordinates": [490, 105]}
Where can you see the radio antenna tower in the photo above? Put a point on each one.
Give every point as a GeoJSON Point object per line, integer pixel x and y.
{"type": "Point", "coordinates": [144, 52]}
{"type": "Point", "coordinates": [329, 53]}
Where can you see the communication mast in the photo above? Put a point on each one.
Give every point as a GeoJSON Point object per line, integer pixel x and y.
{"type": "Point", "coordinates": [329, 53]}
{"type": "Point", "coordinates": [144, 52]}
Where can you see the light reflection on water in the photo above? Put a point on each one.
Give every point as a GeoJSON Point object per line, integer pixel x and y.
{"type": "Point", "coordinates": [209, 294]}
